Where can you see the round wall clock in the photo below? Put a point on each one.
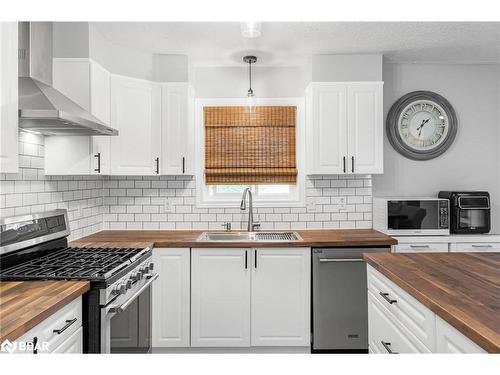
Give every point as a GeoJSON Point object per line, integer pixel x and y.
{"type": "Point", "coordinates": [421, 125]}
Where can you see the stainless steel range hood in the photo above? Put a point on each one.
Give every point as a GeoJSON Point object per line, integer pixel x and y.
{"type": "Point", "coordinates": [42, 108]}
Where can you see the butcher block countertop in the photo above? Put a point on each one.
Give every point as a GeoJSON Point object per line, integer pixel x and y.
{"type": "Point", "coordinates": [25, 304]}
{"type": "Point", "coordinates": [187, 238]}
{"type": "Point", "coordinates": [462, 288]}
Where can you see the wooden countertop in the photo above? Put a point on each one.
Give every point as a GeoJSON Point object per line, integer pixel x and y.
{"type": "Point", "coordinates": [462, 288]}
{"type": "Point", "coordinates": [24, 304]}
{"type": "Point", "coordinates": [187, 238]}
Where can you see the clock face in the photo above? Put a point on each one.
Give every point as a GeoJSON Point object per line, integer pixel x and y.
{"type": "Point", "coordinates": [423, 125]}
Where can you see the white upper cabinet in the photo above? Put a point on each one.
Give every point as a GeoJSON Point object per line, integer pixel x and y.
{"type": "Point", "coordinates": [365, 128]}
{"type": "Point", "coordinates": [220, 297]}
{"type": "Point", "coordinates": [176, 133]}
{"type": "Point", "coordinates": [88, 85]}
{"type": "Point", "coordinates": [281, 297]}
{"type": "Point", "coordinates": [326, 129]}
{"type": "Point", "coordinates": [9, 153]}
{"type": "Point", "coordinates": [135, 113]}
{"type": "Point", "coordinates": [345, 128]}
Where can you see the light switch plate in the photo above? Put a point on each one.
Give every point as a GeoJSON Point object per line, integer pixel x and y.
{"type": "Point", "coordinates": [311, 204]}
{"type": "Point", "coordinates": [168, 205]}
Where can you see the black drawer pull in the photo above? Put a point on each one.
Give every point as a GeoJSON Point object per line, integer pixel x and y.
{"type": "Point", "coordinates": [68, 324]}
{"type": "Point", "coordinates": [386, 297]}
{"type": "Point", "coordinates": [98, 156]}
{"type": "Point", "coordinates": [387, 346]}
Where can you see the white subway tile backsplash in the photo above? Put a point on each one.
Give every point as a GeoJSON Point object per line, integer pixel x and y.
{"type": "Point", "coordinates": [135, 202]}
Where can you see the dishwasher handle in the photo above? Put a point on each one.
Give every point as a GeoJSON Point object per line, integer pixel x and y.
{"type": "Point", "coordinates": [340, 260]}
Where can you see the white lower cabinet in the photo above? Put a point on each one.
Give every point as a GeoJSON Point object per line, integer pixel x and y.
{"type": "Point", "coordinates": [398, 323]}
{"type": "Point", "coordinates": [450, 340]}
{"type": "Point", "coordinates": [480, 247]}
{"type": "Point", "coordinates": [171, 297]}
{"type": "Point", "coordinates": [250, 297]}
{"type": "Point", "coordinates": [220, 297]}
{"type": "Point", "coordinates": [59, 333]}
{"type": "Point", "coordinates": [73, 345]}
{"type": "Point", "coordinates": [280, 297]}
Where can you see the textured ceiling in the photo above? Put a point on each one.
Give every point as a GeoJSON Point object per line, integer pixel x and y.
{"type": "Point", "coordinates": [291, 43]}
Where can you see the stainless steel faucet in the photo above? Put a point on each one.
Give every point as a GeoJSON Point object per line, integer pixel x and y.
{"type": "Point", "coordinates": [243, 206]}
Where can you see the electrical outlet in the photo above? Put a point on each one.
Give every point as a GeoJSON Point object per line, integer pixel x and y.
{"type": "Point", "coordinates": [342, 203]}
{"type": "Point", "coordinates": [168, 205]}
{"type": "Point", "coordinates": [311, 204]}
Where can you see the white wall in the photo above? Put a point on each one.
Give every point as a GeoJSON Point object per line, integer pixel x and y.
{"type": "Point", "coordinates": [330, 68]}
{"type": "Point", "coordinates": [473, 161]}
{"type": "Point", "coordinates": [267, 82]}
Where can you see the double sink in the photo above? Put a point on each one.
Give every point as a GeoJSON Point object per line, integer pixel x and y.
{"type": "Point", "coordinates": [249, 237]}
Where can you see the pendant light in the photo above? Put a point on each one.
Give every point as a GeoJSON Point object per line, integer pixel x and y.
{"type": "Point", "coordinates": [250, 95]}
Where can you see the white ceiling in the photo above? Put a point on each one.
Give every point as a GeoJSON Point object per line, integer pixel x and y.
{"type": "Point", "coordinates": [291, 43]}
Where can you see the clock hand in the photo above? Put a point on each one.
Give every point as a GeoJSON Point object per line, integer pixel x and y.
{"type": "Point", "coordinates": [423, 123]}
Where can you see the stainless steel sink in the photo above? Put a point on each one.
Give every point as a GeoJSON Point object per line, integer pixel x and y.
{"type": "Point", "coordinates": [249, 237]}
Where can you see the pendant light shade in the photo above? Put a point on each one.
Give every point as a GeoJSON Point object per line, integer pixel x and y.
{"type": "Point", "coordinates": [250, 95]}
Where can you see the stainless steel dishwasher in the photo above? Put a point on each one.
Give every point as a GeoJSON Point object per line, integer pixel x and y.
{"type": "Point", "coordinates": [340, 299]}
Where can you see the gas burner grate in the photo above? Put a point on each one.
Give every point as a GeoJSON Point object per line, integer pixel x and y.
{"type": "Point", "coordinates": [75, 263]}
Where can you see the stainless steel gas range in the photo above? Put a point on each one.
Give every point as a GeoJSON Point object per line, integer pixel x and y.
{"type": "Point", "coordinates": [116, 309]}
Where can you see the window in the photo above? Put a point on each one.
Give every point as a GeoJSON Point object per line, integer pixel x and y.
{"type": "Point", "coordinates": [270, 164]}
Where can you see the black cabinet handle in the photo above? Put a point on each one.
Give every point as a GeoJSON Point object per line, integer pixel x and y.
{"type": "Point", "coordinates": [344, 163]}
{"type": "Point", "coordinates": [157, 165]}
{"type": "Point", "coordinates": [183, 165]}
{"type": "Point", "coordinates": [352, 164]}
{"type": "Point", "coordinates": [246, 259]}
{"type": "Point", "coordinates": [386, 297]}
{"type": "Point", "coordinates": [98, 156]}
{"type": "Point", "coordinates": [68, 324]}
{"type": "Point", "coordinates": [255, 259]}
{"type": "Point", "coordinates": [387, 346]}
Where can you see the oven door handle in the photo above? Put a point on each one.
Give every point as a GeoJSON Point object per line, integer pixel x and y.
{"type": "Point", "coordinates": [123, 306]}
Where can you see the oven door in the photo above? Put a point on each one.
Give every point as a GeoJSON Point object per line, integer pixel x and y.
{"type": "Point", "coordinates": [126, 321]}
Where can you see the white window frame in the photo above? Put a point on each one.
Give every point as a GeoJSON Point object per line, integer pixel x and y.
{"type": "Point", "coordinates": [204, 199]}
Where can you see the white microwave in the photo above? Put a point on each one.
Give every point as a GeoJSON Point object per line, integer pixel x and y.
{"type": "Point", "coordinates": [411, 216]}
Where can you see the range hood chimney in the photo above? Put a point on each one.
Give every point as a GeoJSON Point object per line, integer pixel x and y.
{"type": "Point", "coordinates": [42, 108]}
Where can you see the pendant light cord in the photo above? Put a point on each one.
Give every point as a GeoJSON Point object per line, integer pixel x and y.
{"type": "Point", "coordinates": [250, 76]}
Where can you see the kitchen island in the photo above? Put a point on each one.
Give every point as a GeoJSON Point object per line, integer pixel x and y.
{"type": "Point", "coordinates": [462, 289]}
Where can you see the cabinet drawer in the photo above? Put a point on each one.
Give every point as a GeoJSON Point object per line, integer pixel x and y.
{"type": "Point", "coordinates": [72, 345]}
{"type": "Point", "coordinates": [417, 318]}
{"type": "Point", "coordinates": [450, 340]}
{"type": "Point", "coordinates": [475, 247]}
{"type": "Point", "coordinates": [421, 248]}
{"type": "Point", "coordinates": [69, 316]}
{"type": "Point", "coordinates": [386, 334]}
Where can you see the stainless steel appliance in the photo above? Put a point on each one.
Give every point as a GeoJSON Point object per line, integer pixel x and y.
{"type": "Point", "coordinates": [470, 211]}
{"type": "Point", "coordinates": [411, 216]}
{"type": "Point", "coordinates": [42, 108]}
{"type": "Point", "coordinates": [116, 309]}
{"type": "Point", "coordinates": [340, 299]}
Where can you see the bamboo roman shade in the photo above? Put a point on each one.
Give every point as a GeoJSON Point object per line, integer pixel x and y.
{"type": "Point", "coordinates": [243, 147]}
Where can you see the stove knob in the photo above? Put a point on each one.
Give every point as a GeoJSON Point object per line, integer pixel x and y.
{"type": "Point", "coordinates": [145, 268]}
{"type": "Point", "coordinates": [151, 266]}
{"type": "Point", "coordinates": [136, 276]}
{"type": "Point", "coordinates": [118, 289]}
{"type": "Point", "coordinates": [128, 284]}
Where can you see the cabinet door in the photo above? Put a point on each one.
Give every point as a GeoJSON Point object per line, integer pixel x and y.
{"type": "Point", "coordinates": [220, 297]}
{"type": "Point", "coordinates": [135, 113]}
{"type": "Point", "coordinates": [72, 345]}
{"type": "Point", "coordinates": [281, 297]}
{"type": "Point", "coordinates": [479, 247]}
{"type": "Point", "coordinates": [9, 154]}
{"type": "Point", "coordinates": [365, 128]}
{"type": "Point", "coordinates": [100, 92]}
{"type": "Point", "coordinates": [171, 297]}
{"type": "Point", "coordinates": [450, 340]}
{"type": "Point", "coordinates": [101, 155]}
{"type": "Point", "coordinates": [175, 128]}
{"type": "Point", "coordinates": [327, 129]}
